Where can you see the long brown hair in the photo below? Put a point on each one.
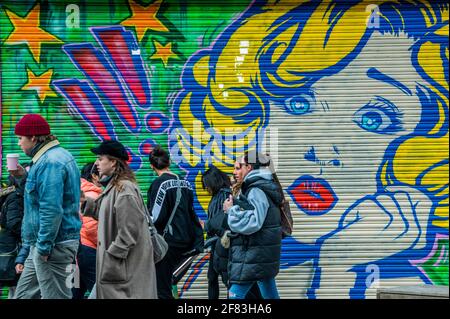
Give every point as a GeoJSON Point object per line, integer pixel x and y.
{"type": "Point", "coordinates": [236, 188]}
{"type": "Point", "coordinates": [121, 173]}
{"type": "Point", "coordinates": [277, 182]}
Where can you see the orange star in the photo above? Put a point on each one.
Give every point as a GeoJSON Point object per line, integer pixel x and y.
{"type": "Point", "coordinates": [164, 52]}
{"type": "Point", "coordinates": [40, 83]}
{"type": "Point", "coordinates": [144, 18]}
{"type": "Point", "coordinates": [27, 30]}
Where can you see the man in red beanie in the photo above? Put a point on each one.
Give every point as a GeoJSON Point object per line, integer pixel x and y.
{"type": "Point", "coordinates": [51, 224]}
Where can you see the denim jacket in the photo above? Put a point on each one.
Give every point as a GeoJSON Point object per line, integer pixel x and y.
{"type": "Point", "coordinates": [52, 196]}
{"type": "Point", "coordinates": [22, 255]}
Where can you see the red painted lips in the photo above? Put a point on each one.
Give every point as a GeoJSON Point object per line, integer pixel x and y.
{"type": "Point", "coordinates": [314, 196]}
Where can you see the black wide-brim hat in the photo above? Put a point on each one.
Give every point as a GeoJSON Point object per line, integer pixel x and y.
{"type": "Point", "coordinates": [111, 148]}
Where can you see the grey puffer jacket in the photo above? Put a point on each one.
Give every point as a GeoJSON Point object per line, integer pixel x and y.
{"type": "Point", "coordinates": [256, 256]}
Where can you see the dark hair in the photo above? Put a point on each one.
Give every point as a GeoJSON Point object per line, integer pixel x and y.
{"type": "Point", "coordinates": [159, 158]}
{"type": "Point", "coordinates": [215, 179]}
{"type": "Point", "coordinates": [88, 170]}
{"type": "Point", "coordinates": [45, 138]}
{"type": "Point", "coordinates": [257, 160]}
{"type": "Point", "coordinates": [277, 182]}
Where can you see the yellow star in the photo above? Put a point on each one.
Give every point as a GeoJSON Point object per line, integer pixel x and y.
{"type": "Point", "coordinates": [27, 30]}
{"type": "Point", "coordinates": [40, 83]}
{"type": "Point", "coordinates": [164, 52]}
{"type": "Point", "coordinates": [144, 18]}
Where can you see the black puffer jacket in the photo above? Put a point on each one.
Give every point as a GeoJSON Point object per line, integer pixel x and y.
{"type": "Point", "coordinates": [257, 256]}
{"type": "Point", "coordinates": [11, 215]}
{"type": "Point", "coordinates": [216, 225]}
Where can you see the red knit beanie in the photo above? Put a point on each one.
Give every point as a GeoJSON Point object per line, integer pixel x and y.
{"type": "Point", "coordinates": [32, 125]}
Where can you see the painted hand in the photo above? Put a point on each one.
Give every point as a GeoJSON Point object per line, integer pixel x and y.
{"type": "Point", "coordinates": [397, 216]}
{"type": "Point", "coordinates": [374, 228]}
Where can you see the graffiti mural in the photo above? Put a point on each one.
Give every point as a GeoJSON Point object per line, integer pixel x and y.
{"type": "Point", "coordinates": [349, 97]}
{"type": "Point", "coordinates": [323, 78]}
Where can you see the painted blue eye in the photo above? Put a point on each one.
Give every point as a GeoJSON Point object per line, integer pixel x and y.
{"type": "Point", "coordinates": [378, 118]}
{"type": "Point", "coordinates": [371, 121]}
{"type": "Point", "coordinates": [299, 104]}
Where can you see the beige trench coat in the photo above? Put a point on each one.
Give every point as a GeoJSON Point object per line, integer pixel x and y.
{"type": "Point", "coordinates": [125, 266]}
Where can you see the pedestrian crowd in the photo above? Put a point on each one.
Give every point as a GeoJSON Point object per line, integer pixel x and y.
{"type": "Point", "coordinates": [66, 233]}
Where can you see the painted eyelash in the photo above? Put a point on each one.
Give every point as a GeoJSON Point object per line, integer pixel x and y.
{"type": "Point", "coordinates": [312, 92]}
{"type": "Point", "coordinates": [309, 95]}
{"type": "Point", "coordinates": [387, 106]}
{"type": "Point", "coordinates": [390, 110]}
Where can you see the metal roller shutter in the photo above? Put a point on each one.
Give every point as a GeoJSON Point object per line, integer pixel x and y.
{"type": "Point", "coordinates": [349, 97]}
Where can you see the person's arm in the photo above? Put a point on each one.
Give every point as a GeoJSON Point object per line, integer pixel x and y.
{"type": "Point", "coordinates": [250, 221]}
{"type": "Point", "coordinates": [161, 205]}
{"type": "Point", "coordinates": [20, 174]}
{"type": "Point", "coordinates": [89, 207]}
{"type": "Point", "coordinates": [50, 195]}
{"type": "Point", "coordinates": [151, 195]}
{"type": "Point", "coordinates": [22, 255]}
{"type": "Point", "coordinates": [217, 221]}
{"type": "Point", "coordinates": [129, 220]}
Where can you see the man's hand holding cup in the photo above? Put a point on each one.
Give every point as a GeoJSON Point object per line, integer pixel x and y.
{"type": "Point", "coordinates": [14, 168]}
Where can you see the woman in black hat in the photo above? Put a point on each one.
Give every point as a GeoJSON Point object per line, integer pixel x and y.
{"type": "Point", "coordinates": [125, 265]}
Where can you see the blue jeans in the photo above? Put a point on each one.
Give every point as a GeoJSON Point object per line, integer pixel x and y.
{"type": "Point", "coordinates": [267, 287]}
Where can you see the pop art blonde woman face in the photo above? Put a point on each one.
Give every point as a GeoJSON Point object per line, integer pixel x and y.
{"type": "Point", "coordinates": [334, 135]}
{"type": "Point", "coordinates": [361, 115]}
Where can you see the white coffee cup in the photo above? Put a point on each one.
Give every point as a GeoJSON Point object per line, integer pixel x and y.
{"type": "Point", "coordinates": [12, 160]}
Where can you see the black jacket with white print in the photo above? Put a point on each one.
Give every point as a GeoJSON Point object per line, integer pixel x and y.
{"type": "Point", "coordinates": [161, 201]}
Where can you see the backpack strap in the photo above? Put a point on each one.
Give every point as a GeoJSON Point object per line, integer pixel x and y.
{"type": "Point", "coordinates": [168, 227]}
{"type": "Point", "coordinates": [147, 216]}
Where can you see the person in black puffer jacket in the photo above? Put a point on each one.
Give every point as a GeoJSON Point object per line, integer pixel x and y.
{"type": "Point", "coordinates": [217, 184]}
{"type": "Point", "coordinates": [256, 242]}
{"type": "Point", "coordinates": [11, 215]}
